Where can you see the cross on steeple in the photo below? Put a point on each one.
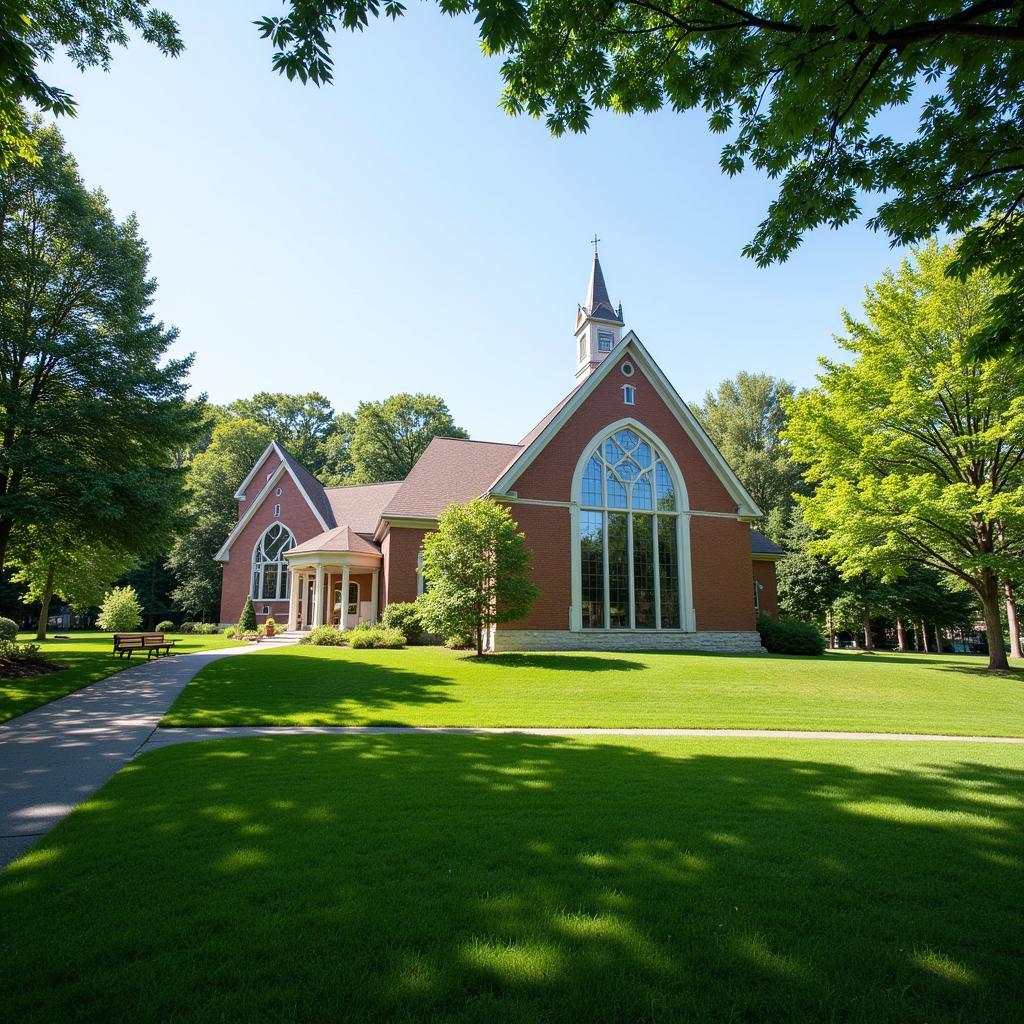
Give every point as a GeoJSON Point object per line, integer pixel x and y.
{"type": "Point", "coordinates": [595, 240]}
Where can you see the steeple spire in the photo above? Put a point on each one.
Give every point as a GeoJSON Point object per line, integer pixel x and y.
{"type": "Point", "coordinates": [598, 323]}
{"type": "Point", "coordinates": [599, 305]}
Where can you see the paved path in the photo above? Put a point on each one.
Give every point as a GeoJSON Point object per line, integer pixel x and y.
{"type": "Point", "coordinates": [167, 737]}
{"type": "Point", "coordinates": [57, 755]}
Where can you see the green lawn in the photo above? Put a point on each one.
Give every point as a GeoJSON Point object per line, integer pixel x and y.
{"type": "Point", "coordinates": [517, 878]}
{"type": "Point", "coordinates": [433, 686]}
{"type": "Point", "coordinates": [88, 658]}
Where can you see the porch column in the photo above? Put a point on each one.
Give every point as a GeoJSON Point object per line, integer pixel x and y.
{"type": "Point", "coordinates": [293, 597]}
{"type": "Point", "coordinates": [375, 595]}
{"type": "Point", "coordinates": [318, 597]}
{"type": "Point", "coordinates": [344, 597]}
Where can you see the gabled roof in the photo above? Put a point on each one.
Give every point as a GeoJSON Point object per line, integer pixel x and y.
{"type": "Point", "coordinates": [360, 505]}
{"type": "Point", "coordinates": [451, 469]}
{"type": "Point", "coordinates": [745, 504]}
{"type": "Point", "coordinates": [761, 546]}
{"type": "Point", "coordinates": [598, 303]}
{"type": "Point", "coordinates": [341, 538]}
{"type": "Point", "coordinates": [309, 483]}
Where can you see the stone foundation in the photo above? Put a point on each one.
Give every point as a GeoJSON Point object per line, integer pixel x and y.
{"type": "Point", "coordinates": [731, 642]}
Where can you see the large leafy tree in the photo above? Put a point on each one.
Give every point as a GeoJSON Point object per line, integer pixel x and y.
{"type": "Point", "coordinates": [476, 568]}
{"type": "Point", "coordinates": [92, 411]}
{"type": "Point", "coordinates": [389, 436]}
{"type": "Point", "coordinates": [213, 477]}
{"type": "Point", "coordinates": [54, 561]}
{"type": "Point", "coordinates": [915, 449]}
{"type": "Point", "coordinates": [745, 417]}
{"type": "Point", "coordinates": [302, 423]}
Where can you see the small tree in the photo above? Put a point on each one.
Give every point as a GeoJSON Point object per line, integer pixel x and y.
{"type": "Point", "coordinates": [121, 611]}
{"type": "Point", "coordinates": [247, 620]}
{"type": "Point", "coordinates": [476, 568]}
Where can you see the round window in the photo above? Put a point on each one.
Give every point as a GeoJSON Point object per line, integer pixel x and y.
{"type": "Point", "coordinates": [278, 492]}
{"type": "Point", "coordinates": [627, 369]}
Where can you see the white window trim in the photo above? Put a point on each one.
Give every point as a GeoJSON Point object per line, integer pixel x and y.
{"type": "Point", "coordinates": [687, 616]}
{"type": "Point", "coordinates": [256, 592]}
{"type": "Point", "coordinates": [277, 511]}
{"type": "Point", "coordinates": [629, 394]}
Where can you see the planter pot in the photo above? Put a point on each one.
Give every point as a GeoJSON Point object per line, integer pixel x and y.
{"type": "Point", "coordinates": [270, 630]}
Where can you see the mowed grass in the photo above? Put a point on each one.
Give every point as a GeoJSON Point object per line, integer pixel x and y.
{"type": "Point", "coordinates": [501, 878]}
{"type": "Point", "coordinates": [432, 686]}
{"type": "Point", "coordinates": [87, 658]}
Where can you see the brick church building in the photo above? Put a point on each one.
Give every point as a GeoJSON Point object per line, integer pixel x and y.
{"type": "Point", "coordinates": [640, 531]}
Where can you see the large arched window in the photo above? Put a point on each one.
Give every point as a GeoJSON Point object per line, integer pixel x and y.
{"type": "Point", "coordinates": [269, 566]}
{"type": "Point", "coordinates": [629, 536]}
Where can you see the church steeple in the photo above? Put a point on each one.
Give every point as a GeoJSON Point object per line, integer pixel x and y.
{"type": "Point", "coordinates": [598, 324]}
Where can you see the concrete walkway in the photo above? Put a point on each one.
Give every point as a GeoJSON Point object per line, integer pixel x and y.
{"type": "Point", "coordinates": [57, 755]}
{"type": "Point", "coordinates": [167, 737]}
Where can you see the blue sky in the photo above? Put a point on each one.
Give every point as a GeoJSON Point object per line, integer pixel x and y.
{"type": "Point", "coordinates": [397, 231]}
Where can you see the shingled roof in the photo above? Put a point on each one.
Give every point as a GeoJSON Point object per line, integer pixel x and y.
{"type": "Point", "coordinates": [451, 469]}
{"type": "Point", "coordinates": [598, 303]}
{"type": "Point", "coordinates": [360, 505]}
{"type": "Point", "coordinates": [310, 484]}
{"type": "Point", "coordinates": [761, 545]}
{"type": "Point", "coordinates": [341, 538]}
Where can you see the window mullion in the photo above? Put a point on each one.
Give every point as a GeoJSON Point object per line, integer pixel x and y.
{"type": "Point", "coordinates": [604, 556]}
{"type": "Point", "coordinates": [657, 573]}
{"type": "Point", "coordinates": [629, 561]}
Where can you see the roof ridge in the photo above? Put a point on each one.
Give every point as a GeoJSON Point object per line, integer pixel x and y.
{"type": "Point", "coordinates": [374, 483]}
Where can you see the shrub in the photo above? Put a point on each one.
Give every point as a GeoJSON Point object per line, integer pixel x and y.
{"type": "Point", "coordinates": [187, 627]}
{"type": "Point", "coordinates": [8, 629]}
{"type": "Point", "coordinates": [121, 611]}
{"type": "Point", "coordinates": [376, 636]}
{"type": "Point", "coordinates": [460, 642]}
{"type": "Point", "coordinates": [13, 653]}
{"type": "Point", "coordinates": [206, 628]}
{"type": "Point", "coordinates": [405, 617]}
{"type": "Point", "coordinates": [789, 636]}
{"type": "Point", "coordinates": [250, 634]}
{"type": "Point", "coordinates": [230, 632]}
{"type": "Point", "coordinates": [165, 627]}
{"type": "Point", "coordinates": [247, 620]}
{"type": "Point", "coordinates": [324, 636]}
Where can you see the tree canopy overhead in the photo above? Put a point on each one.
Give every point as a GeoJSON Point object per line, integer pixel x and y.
{"type": "Point", "coordinates": [798, 86]}
{"type": "Point", "coordinates": [915, 449]}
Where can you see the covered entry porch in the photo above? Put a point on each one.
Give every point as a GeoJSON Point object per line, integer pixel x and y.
{"type": "Point", "coordinates": [338, 588]}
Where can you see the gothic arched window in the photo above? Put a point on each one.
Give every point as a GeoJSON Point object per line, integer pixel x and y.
{"type": "Point", "coordinates": [269, 566]}
{"type": "Point", "coordinates": [629, 536]}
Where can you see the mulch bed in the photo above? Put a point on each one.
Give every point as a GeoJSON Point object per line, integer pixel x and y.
{"type": "Point", "coordinates": [19, 669]}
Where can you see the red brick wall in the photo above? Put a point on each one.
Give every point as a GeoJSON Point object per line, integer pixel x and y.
{"type": "Point", "coordinates": [296, 515]}
{"type": "Point", "coordinates": [400, 547]}
{"type": "Point", "coordinates": [547, 532]}
{"type": "Point", "coordinates": [720, 548]}
{"type": "Point", "coordinates": [764, 573]}
{"type": "Point", "coordinates": [723, 588]}
{"type": "Point", "coordinates": [550, 474]}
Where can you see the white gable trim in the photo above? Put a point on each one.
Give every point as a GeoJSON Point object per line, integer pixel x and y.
{"type": "Point", "coordinates": [223, 554]}
{"type": "Point", "coordinates": [746, 506]}
{"type": "Point", "coordinates": [272, 447]}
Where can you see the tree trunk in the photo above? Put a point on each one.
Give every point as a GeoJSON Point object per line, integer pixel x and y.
{"type": "Point", "coordinates": [869, 640]}
{"type": "Point", "coordinates": [901, 636]}
{"type": "Point", "coordinates": [938, 639]}
{"type": "Point", "coordinates": [1012, 621]}
{"type": "Point", "coordinates": [44, 608]}
{"type": "Point", "coordinates": [831, 629]}
{"type": "Point", "coordinates": [989, 594]}
{"type": "Point", "coordinates": [924, 638]}
{"type": "Point", "coordinates": [479, 640]}
{"type": "Point", "coordinates": [6, 522]}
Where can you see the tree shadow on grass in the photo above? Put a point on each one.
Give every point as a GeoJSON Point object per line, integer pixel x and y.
{"type": "Point", "coordinates": [283, 688]}
{"type": "Point", "coordinates": [976, 667]}
{"type": "Point", "coordinates": [511, 878]}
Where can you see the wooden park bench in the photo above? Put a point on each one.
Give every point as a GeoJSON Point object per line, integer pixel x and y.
{"type": "Point", "coordinates": [151, 643]}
